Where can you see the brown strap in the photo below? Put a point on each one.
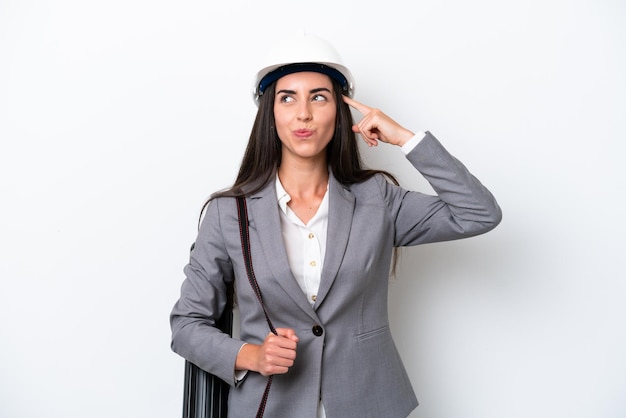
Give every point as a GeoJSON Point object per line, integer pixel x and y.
{"type": "Point", "coordinates": [242, 214]}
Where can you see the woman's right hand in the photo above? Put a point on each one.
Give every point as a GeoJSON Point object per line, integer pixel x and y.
{"type": "Point", "coordinates": [377, 126]}
{"type": "Point", "coordinates": [275, 356]}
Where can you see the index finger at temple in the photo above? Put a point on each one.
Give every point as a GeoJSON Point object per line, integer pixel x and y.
{"type": "Point", "coordinates": [356, 105]}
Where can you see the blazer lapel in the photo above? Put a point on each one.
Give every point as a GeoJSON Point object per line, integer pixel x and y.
{"type": "Point", "coordinates": [340, 211]}
{"type": "Point", "coordinates": [265, 220]}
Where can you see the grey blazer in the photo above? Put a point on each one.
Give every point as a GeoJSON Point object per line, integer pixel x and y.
{"type": "Point", "coordinates": [346, 353]}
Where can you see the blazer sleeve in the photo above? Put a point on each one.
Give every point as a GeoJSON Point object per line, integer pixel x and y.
{"type": "Point", "coordinates": [462, 207]}
{"type": "Point", "coordinates": [202, 300]}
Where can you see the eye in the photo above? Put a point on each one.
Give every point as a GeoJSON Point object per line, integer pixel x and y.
{"type": "Point", "coordinates": [286, 98]}
{"type": "Point", "coordinates": [319, 98]}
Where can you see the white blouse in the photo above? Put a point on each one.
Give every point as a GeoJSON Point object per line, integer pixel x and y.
{"type": "Point", "coordinates": [305, 243]}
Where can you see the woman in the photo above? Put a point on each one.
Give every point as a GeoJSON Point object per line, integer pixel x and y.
{"type": "Point", "coordinates": [323, 230]}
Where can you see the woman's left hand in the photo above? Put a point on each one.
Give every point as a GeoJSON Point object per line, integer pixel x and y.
{"type": "Point", "coordinates": [376, 126]}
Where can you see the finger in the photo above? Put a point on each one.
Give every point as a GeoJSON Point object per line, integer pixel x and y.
{"type": "Point", "coordinates": [280, 356]}
{"type": "Point", "coordinates": [356, 105]}
{"type": "Point", "coordinates": [371, 142]}
{"type": "Point", "coordinates": [287, 333]}
{"type": "Point", "coordinates": [287, 340]}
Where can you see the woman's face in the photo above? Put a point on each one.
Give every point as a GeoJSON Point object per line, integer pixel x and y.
{"type": "Point", "coordinates": [304, 113]}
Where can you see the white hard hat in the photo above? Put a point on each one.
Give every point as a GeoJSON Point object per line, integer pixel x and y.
{"type": "Point", "coordinates": [302, 52]}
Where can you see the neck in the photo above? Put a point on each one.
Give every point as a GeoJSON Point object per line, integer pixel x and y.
{"type": "Point", "coordinates": [301, 181]}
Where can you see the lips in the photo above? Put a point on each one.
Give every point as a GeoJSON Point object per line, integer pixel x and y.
{"type": "Point", "coordinates": [303, 133]}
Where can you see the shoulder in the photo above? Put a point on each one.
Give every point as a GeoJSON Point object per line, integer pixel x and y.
{"type": "Point", "coordinates": [217, 211]}
{"type": "Point", "coordinates": [373, 184]}
{"type": "Point", "coordinates": [378, 190]}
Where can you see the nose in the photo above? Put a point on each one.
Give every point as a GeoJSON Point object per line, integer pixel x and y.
{"type": "Point", "coordinates": [304, 110]}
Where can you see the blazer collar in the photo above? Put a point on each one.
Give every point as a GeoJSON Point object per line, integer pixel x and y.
{"type": "Point", "coordinates": [264, 217]}
{"type": "Point", "coordinates": [340, 211]}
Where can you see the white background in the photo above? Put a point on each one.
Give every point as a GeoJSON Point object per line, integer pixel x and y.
{"type": "Point", "coordinates": [118, 118]}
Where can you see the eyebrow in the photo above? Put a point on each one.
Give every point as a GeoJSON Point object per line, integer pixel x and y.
{"type": "Point", "coordinates": [312, 91]}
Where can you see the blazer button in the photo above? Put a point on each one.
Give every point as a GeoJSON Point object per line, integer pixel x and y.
{"type": "Point", "coordinates": [317, 330]}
